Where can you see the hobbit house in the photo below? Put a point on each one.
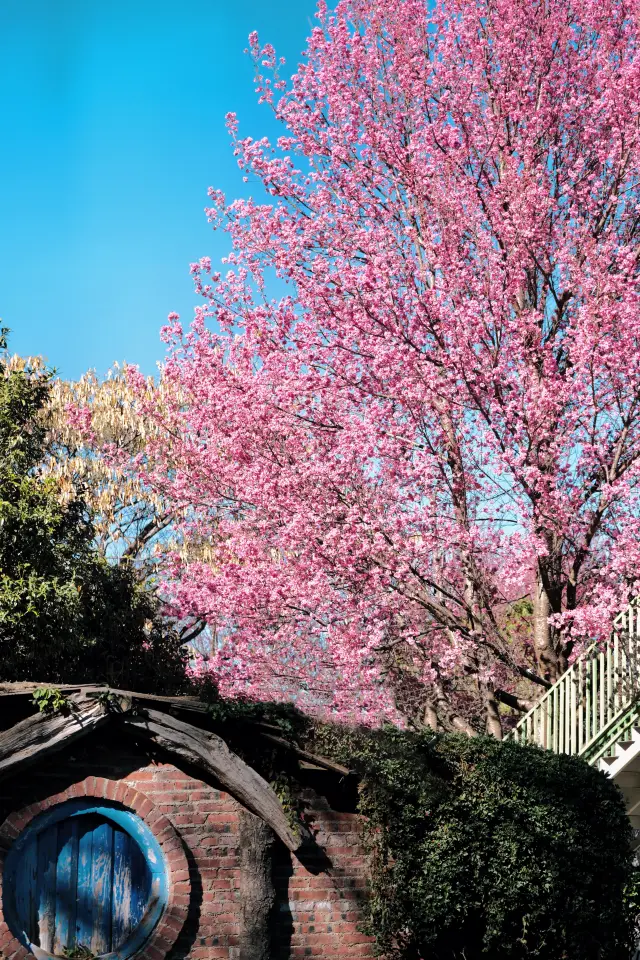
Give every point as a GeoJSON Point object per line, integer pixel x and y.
{"type": "Point", "coordinates": [130, 829]}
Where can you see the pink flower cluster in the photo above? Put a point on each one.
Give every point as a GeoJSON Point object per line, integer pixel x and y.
{"type": "Point", "coordinates": [442, 410]}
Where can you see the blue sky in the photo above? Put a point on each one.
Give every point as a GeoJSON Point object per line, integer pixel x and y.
{"type": "Point", "coordinates": [112, 128]}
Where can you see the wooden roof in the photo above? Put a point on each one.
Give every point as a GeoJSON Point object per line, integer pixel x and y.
{"type": "Point", "coordinates": [181, 725]}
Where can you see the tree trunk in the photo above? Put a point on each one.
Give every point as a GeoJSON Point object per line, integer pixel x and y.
{"type": "Point", "coordinates": [544, 650]}
{"type": "Point", "coordinates": [493, 726]}
{"type": "Point", "coordinates": [430, 716]}
{"type": "Point", "coordinates": [516, 703]}
{"type": "Point", "coordinates": [257, 892]}
{"type": "Point", "coordinates": [447, 716]}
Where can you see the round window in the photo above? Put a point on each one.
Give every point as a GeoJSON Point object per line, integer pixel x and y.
{"type": "Point", "coordinates": [84, 880]}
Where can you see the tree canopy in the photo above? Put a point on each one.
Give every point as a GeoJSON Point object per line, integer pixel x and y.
{"type": "Point", "coordinates": [66, 613]}
{"type": "Point", "coordinates": [418, 467]}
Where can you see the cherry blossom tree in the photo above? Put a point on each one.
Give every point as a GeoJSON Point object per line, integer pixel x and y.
{"type": "Point", "coordinates": [418, 463]}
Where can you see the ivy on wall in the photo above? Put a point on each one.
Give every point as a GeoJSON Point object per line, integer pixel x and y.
{"type": "Point", "coordinates": [493, 850]}
{"type": "Point", "coordinates": [479, 848]}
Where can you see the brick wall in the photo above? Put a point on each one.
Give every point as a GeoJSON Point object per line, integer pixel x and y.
{"type": "Point", "coordinates": [318, 903]}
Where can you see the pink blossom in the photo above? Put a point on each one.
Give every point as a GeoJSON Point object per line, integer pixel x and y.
{"type": "Point", "coordinates": [441, 414]}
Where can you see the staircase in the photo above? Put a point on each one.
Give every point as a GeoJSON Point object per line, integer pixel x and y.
{"type": "Point", "coordinates": [593, 711]}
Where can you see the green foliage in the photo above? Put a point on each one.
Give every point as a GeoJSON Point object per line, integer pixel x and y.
{"type": "Point", "coordinates": [242, 713]}
{"type": "Point", "coordinates": [286, 790]}
{"type": "Point", "coordinates": [66, 614]}
{"type": "Point", "coordinates": [50, 700]}
{"type": "Point", "coordinates": [237, 720]}
{"type": "Point", "coordinates": [479, 848]}
{"type": "Point", "coordinates": [108, 700]}
{"type": "Point", "coordinates": [78, 952]}
{"type": "Point", "coordinates": [632, 898]}
{"type": "Point", "coordinates": [486, 849]}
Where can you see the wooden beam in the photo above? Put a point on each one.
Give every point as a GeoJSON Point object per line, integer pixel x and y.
{"type": "Point", "coordinates": [192, 704]}
{"type": "Point", "coordinates": [9, 691]}
{"type": "Point", "coordinates": [44, 733]}
{"type": "Point", "coordinates": [207, 750]}
{"type": "Point", "coordinates": [313, 758]}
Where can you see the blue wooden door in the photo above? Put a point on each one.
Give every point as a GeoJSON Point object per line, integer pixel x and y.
{"type": "Point", "coordinates": [81, 881]}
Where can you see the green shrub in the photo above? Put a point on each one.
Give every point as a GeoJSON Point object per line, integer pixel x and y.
{"type": "Point", "coordinates": [488, 849]}
{"type": "Point", "coordinates": [479, 849]}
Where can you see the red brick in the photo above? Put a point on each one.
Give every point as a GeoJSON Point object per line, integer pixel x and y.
{"type": "Point", "coordinates": [90, 786]}
{"type": "Point", "coordinates": [160, 826]}
{"type": "Point", "coordinates": [142, 806]}
{"type": "Point", "coordinates": [101, 787]}
{"type": "Point", "coordinates": [76, 790]}
{"type": "Point", "coordinates": [120, 792]}
{"type": "Point", "coordinates": [171, 924]}
{"type": "Point", "coordinates": [180, 903]}
{"type": "Point", "coordinates": [130, 796]}
{"type": "Point", "coordinates": [20, 954]}
{"type": "Point", "coordinates": [189, 819]}
{"type": "Point", "coordinates": [153, 953]}
{"type": "Point", "coordinates": [18, 820]}
{"type": "Point", "coordinates": [324, 910]}
{"type": "Point", "coordinates": [110, 793]}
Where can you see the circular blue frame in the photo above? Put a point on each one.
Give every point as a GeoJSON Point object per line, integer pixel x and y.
{"type": "Point", "coordinates": [136, 829]}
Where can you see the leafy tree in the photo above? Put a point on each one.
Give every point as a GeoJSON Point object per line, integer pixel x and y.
{"type": "Point", "coordinates": [441, 415]}
{"type": "Point", "coordinates": [97, 440]}
{"type": "Point", "coordinates": [66, 613]}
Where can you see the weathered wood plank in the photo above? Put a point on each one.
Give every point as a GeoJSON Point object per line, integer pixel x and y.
{"type": "Point", "coordinates": [26, 889]}
{"type": "Point", "coordinates": [9, 690]}
{"type": "Point", "coordinates": [140, 886]}
{"type": "Point", "coordinates": [24, 743]}
{"type": "Point", "coordinates": [84, 915]}
{"type": "Point", "coordinates": [47, 850]}
{"type": "Point", "coordinates": [192, 704]}
{"type": "Point", "coordinates": [304, 754]}
{"type": "Point", "coordinates": [207, 750]}
{"type": "Point", "coordinates": [66, 880]}
{"type": "Point", "coordinates": [101, 887]}
{"type": "Point", "coordinates": [122, 891]}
